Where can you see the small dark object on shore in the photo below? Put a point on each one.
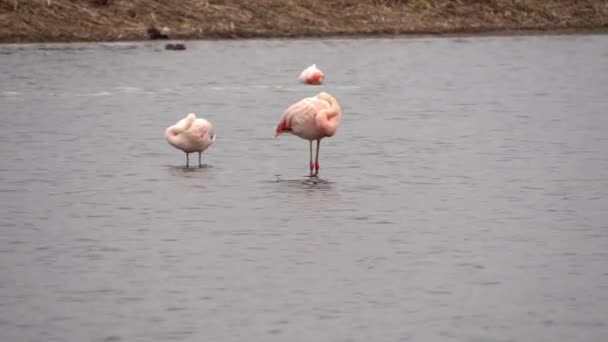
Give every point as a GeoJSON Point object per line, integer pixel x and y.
{"type": "Point", "coordinates": [102, 2]}
{"type": "Point", "coordinates": [154, 33]}
{"type": "Point", "coordinates": [177, 46]}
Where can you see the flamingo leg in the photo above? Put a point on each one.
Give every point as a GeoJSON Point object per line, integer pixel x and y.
{"type": "Point", "coordinates": [187, 159]}
{"type": "Point", "coordinates": [317, 157]}
{"type": "Point", "coordinates": [199, 160]}
{"type": "Point", "coordinates": [312, 166]}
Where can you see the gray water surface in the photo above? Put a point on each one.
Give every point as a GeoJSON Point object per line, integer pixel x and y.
{"type": "Point", "coordinates": [463, 198]}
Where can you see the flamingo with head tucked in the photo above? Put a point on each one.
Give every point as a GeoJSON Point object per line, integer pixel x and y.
{"type": "Point", "coordinates": [312, 118]}
{"type": "Point", "coordinates": [311, 75]}
{"type": "Point", "coordinates": [190, 135]}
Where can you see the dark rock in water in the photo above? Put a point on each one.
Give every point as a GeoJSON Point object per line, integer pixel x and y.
{"type": "Point", "coordinates": [177, 46]}
{"type": "Point", "coordinates": [154, 33]}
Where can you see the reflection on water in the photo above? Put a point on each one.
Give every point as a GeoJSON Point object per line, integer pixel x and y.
{"type": "Point", "coordinates": [463, 196]}
{"type": "Point", "coordinates": [310, 186]}
{"type": "Point", "coordinates": [307, 182]}
{"type": "Point", "coordinates": [176, 169]}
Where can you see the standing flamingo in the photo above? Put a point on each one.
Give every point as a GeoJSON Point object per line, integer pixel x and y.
{"type": "Point", "coordinates": [311, 75]}
{"type": "Point", "coordinates": [312, 118]}
{"type": "Point", "coordinates": [191, 134]}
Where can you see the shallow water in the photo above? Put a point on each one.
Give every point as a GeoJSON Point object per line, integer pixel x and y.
{"type": "Point", "coordinates": [463, 197]}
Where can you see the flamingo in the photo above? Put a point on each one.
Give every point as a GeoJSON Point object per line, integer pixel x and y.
{"type": "Point", "coordinates": [312, 118]}
{"type": "Point", "coordinates": [190, 135]}
{"type": "Point", "coordinates": [311, 75]}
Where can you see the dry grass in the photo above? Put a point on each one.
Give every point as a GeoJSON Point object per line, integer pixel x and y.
{"type": "Point", "coordinates": [97, 20]}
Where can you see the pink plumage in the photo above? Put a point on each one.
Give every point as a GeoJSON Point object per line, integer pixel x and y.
{"type": "Point", "coordinates": [190, 135]}
{"type": "Point", "coordinates": [311, 75]}
{"type": "Point", "coordinates": [312, 118]}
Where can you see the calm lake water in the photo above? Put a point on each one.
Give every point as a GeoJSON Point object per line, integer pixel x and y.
{"type": "Point", "coordinates": [463, 198]}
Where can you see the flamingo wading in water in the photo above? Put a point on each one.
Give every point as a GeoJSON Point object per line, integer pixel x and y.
{"type": "Point", "coordinates": [312, 118]}
{"type": "Point", "coordinates": [190, 135]}
{"type": "Point", "coordinates": [311, 75]}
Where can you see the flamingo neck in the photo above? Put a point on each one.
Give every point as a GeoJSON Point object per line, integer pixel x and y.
{"type": "Point", "coordinates": [189, 121]}
{"type": "Point", "coordinates": [180, 127]}
{"type": "Point", "coordinates": [327, 119]}
{"type": "Point", "coordinates": [334, 107]}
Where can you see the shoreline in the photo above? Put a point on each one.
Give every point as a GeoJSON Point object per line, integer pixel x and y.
{"type": "Point", "coordinates": [64, 21]}
{"type": "Point", "coordinates": [354, 36]}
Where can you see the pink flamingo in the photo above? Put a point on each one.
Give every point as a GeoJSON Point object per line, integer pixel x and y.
{"type": "Point", "coordinates": [190, 135]}
{"type": "Point", "coordinates": [311, 75]}
{"type": "Point", "coordinates": [312, 118]}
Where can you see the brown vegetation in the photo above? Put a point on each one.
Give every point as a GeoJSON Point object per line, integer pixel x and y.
{"type": "Point", "coordinates": [110, 20]}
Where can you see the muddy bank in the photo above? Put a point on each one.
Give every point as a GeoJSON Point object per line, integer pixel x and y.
{"type": "Point", "coordinates": [116, 20]}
